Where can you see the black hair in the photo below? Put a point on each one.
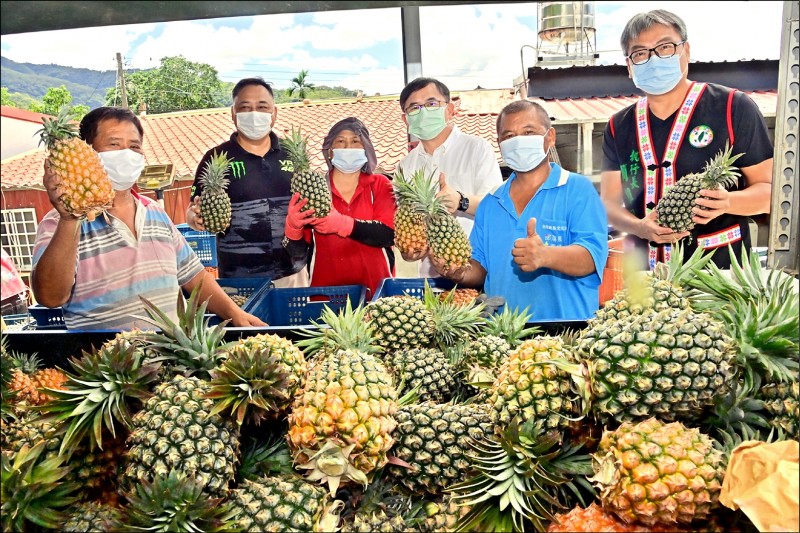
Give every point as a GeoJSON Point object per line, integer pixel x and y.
{"type": "Point", "coordinates": [88, 127]}
{"type": "Point", "coordinates": [420, 83]}
{"type": "Point", "coordinates": [241, 84]}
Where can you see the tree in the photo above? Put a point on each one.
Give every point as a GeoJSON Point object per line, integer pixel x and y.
{"type": "Point", "coordinates": [177, 85]}
{"type": "Point", "coordinates": [300, 84]}
{"type": "Point", "coordinates": [54, 99]}
{"type": "Point", "coordinates": [6, 98]}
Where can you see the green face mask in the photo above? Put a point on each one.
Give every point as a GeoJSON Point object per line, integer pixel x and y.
{"type": "Point", "coordinates": [427, 124]}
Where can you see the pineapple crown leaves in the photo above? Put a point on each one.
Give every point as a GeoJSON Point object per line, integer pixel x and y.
{"type": "Point", "coordinates": [453, 323]}
{"type": "Point", "coordinates": [33, 490]}
{"type": "Point", "coordinates": [265, 457]}
{"type": "Point", "coordinates": [249, 379]}
{"type": "Point", "coordinates": [510, 324]}
{"type": "Point", "coordinates": [736, 412]}
{"type": "Point", "coordinates": [191, 344]}
{"type": "Point", "coordinates": [720, 170]}
{"type": "Point", "coordinates": [175, 502]}
{"type": "Point", "coordinates": [108, 385]}
{"type": "Point", "coordinates": [295, 146]}
{"type": "Point", "coordinates": [213, 176]}
{"type": "Point", "coordinates": [524, 472]}
{"type": "Point", "coordinates": [680, 271]}
{"type": "Point", "coordinates": [62, 127]}
{"type": "Point", "coordinates": [757, 312]}
{"type": "Point", "coordinates": [346, 329]}
{"type": "Point", "coordinates": [419, 192]}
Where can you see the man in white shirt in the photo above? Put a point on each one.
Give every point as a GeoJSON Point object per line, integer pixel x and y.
{"type": "Point", "coordinates": [467, 165]}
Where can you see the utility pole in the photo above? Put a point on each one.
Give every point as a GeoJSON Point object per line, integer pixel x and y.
{"type": "Point", "coordinates": [121, 81]}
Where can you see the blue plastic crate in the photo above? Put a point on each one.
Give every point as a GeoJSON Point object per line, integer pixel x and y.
{"type": "Point", "coordinates": [184, 228]}
{"type": "Point", "coordinates": [299, 306]}
{"type": "Point", "coordinates": [410, 286]}
{"type": "Point", "coordinates": [204, 245]}
{"type": "Point", "coordinates": [248, 287]}
{"type": "Point", "coordinates": [19, 322]}
{"type": "Point", "coordinates": [47, 317]}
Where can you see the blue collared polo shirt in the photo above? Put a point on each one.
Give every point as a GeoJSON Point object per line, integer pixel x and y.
{"type": "Point", "coordinates": [568, 211]}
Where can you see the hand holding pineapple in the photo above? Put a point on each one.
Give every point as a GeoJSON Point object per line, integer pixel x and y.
{"type": "Point", "coordinates": [710, 204]}
{"type": "Point", "coordinates": [298, 217]}
{"type": "Point", "coordinates": [196, 221]}
{"type": "Point", "coordinates": [448, 195]}
{"type": "Point", "coordinates": [654, 232]}
{"type": "Point", "coordinates": [52, 184]}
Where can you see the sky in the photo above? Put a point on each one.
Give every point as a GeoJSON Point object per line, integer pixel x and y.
{"type": "Point", "coordinates": [485, 45]}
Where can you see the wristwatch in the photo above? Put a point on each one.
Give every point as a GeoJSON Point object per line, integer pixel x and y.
{"type": "Point", "coordinates": [463, 203]}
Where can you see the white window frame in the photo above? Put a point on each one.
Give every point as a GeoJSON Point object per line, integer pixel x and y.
{"type": "Point", "coordinates": [18, 236]}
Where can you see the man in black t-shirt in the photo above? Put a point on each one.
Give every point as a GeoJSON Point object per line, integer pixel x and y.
{"type": "Point", "coordinates": [259, 192]}
{"type": "Point", "coordinates": [675, 130]}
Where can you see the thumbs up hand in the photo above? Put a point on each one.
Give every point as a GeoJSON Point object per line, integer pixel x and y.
{"type": "Point", "coordinates": [448, 195]}
{"type": "Point", "coordinates": [530, 253]}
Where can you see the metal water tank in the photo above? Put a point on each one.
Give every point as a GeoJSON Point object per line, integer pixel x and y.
{"type": "Point", "coordinates": [566, 22]}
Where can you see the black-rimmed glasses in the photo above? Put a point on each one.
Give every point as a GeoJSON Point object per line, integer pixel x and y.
{"type": "Point", "coordinates": [413, 109]}
{"type": "Point", "coordinates": [663, 50]}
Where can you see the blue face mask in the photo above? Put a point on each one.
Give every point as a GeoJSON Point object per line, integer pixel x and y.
{"type": "Point", "coordinates": [349, 160]}
{"type": "Point", "coordinates": [523, 152]}
{"type": "Point", "coordinates": [659, 75]}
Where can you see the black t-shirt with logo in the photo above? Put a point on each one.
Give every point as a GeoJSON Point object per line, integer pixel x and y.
{"type": "Point", "coordinates": [260, 194]}
{"type": "Point", "coordinates": [716, 116]}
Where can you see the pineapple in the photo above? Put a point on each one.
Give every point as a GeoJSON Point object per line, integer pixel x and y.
{"type": "Point", "coordinates": [84, 186]}
{"type": "Point", "coordinates": [410, 236]}
{"type": "Point", "coordinates": [782, 402]}
{"type": "Point", "coordinates": [265, 456]}
{"type": "Point", "coordinates": [250, 382]}
{"type": "Point", "coordinates": [283, 503]}
{"type": "Point", "coordinates": [530, 385]}
{"type": "Point", "coordinates": [652, 472]}
{"type": "Point", "coordinates": [435, 440]}
{"type": "Point", "coordinates": [346, 330]}
{"type": "Point", "coordinates": [460, 296]}
{"type": "Point", "coordinates": [426, 368]}
{"type": "Point", "coordinates": [91, 517]}
{"type": "Point", "coordinates": [341, 424]}
{"type": "Point", "coordinates": [290, 361]}
{"type": "Point", "coordinates": [173, 502]}
{"type": "Point", "coordinates": [33, 492]}
{"type": "Point", "coordinates": [239, 299]}
{"type": "Point", "coordinates": [675, 207]}
{"type": "Point", "coordinates": [500, 333]}
{"type": "Point", "coordinates": [595, 519]}
{"type": "Point", "coordinates": [443, 517]}
{"type": "Point", "coordinates": [310, 183]}
{"type": "Point", "coordinates": [400, 322]}
{"type": "Point", "coordinates": [215, 204]}
{"type": "Point", "coordinates": [21, 368]}
{"type": "Point", "coordinates": [175, 431]}
{"type": "Point", "coordinates": [378, 522]}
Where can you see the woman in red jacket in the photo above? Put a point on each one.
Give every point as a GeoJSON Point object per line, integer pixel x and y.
{"type": "Point", "coordinates": [353, 244]}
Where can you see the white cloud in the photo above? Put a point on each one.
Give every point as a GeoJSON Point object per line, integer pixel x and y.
{"type": "Point", "coordinates": [465, 46]}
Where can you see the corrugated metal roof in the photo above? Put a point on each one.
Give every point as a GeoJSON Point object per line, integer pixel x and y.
{"type": "Point", "coordinates": [183, 138]}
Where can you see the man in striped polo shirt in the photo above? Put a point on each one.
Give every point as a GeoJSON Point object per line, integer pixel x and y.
{"type": "Point", "coordinates": [97, 270]}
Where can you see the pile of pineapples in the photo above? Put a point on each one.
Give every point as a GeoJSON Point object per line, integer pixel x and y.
{"type": "Point", "coordinates": [411, 414]}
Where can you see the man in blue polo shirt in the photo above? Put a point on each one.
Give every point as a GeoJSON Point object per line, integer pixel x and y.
{"type": "Point", "coordinates": [541, 239]}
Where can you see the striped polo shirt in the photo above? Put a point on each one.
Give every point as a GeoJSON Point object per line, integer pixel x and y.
{"type": "Point", "coordinates": [114, 268]}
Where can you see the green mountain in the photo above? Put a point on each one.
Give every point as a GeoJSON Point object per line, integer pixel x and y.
{"type": "Point", "coordinates": [88, 87]}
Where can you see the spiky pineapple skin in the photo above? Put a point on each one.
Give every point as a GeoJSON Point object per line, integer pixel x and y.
{"type": "Point", "coordinates": [594, 519]}
{"type": "Point", "coordinates": [175, 431]}
{"type": "Point", "coordinates": [674, 209]}
{"type": "Point", "coordinates": [91, 517]}
{"type": "Point", "coordinates": [401, 322]}
{"type": "Point", "coordinates": [435, 440]}
{"type": "Point", "coordinates": [529, 387]}
{"type": "Point", "coordinates": [348, 398]}
{"type": "Point", "coordinates": [378, 522]}
{"type": "Point", "coordinates": [782, 402]}
{"type": "Point", "coordinates": [410, 235]}
{"type": "Point", "coordinates": [670, 364]}
{"type": "Point", "coordinates": [278, 503]}
{"type": "Point", "coordinates": [85, 189]}
{"type": "Point", "coordinates": [309, 183]}
{"type": "Point", "coordinates": [215, 204]}
{"type": "Point", "coordinates": [653, 472]}
{"type": "Point", "coordinates": [427, 368]}
{"type": "Point", "coordinates": [449, 243]}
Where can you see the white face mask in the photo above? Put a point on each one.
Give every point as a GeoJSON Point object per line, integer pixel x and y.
{"type": "Point", "coordinates": [254, 125]}
{"type": "Point", "coordinates": [123, 167]}
{"type": "Point", "coordinates": [523, 152]}
{"type": "Point", "coordinates": [349, 160]}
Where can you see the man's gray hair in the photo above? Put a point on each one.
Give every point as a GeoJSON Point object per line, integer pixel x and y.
{"type": "Point", "coordinates": [519, 106]}
{"type": "Point", "coordinates": [642, 21]}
